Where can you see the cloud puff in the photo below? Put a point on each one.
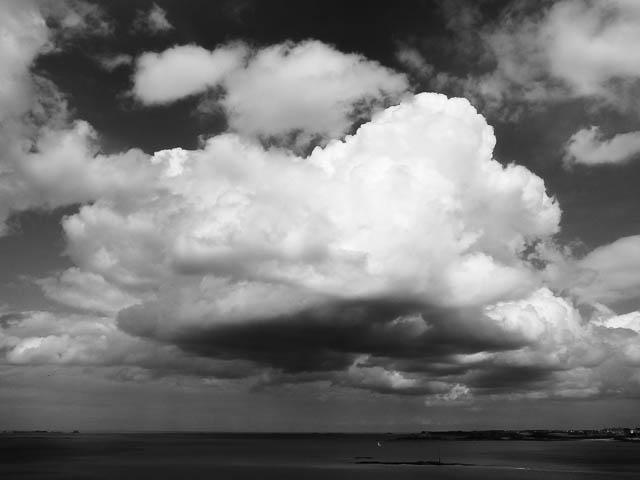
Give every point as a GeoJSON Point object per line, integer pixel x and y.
{"type": "Point", "coordinates": [307, 86]}
{"type": "Point", "coordinates": [574, 47]}
{"type": "Point", "coordinates": [178, 72]}
{"type": "Point", "coordinates": [588, 147]}
{"type": "Point", "coordinates": [565, 355]}
{"type": "Point", "coordinates": [45, 338]}
{"type": "Point", "coordinates": [154, 20]}
{"type": "Point", "coordinates": [63, 167]}
{"type": "Point", "coordinates": [86, 291]}
{"type": "Point", "coordinates": [113, 62]}
{"type": "Point", "coordinates": [565, 50]}
{"type": "Point", "coordinates": [288, 88]}
{"type": "Point", "coordinates": [610, 272]}
{"type": "Point", "coordinates": [509, 62]}
{"type": "Point", "coordinates": [630, 321]}
{"type": "Point", "coordinates": [589, 45]}
{"type": "Point", "coordinates": [47, 159]}
{"type": "Point", "coordinates": [71, 19]}
{"type": "Point", "coordinates": [25, 34]}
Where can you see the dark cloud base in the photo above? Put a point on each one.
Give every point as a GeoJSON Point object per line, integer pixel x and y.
{"type": "Point", "coordinates": [322, 343]}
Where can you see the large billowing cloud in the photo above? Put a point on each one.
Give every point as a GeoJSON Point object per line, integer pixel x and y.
{"type": "Point", "coordinates": [411, 205]}
{"type": "Point", "coordinates": [307, 88]}
{"type": "Point", "coordinates": [368, 262]}
{"type": "Point", "coordinates": [395, 259]}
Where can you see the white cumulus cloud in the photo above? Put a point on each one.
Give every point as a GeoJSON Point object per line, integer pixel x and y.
{"type": "Point", "coordinates": [411, 205]}
{"type": "Point", "coordinates": [306, 88]}
{"type": "Point", "coordinates": [182, 71]}
{"type": "Point", "coordinates": [588, 147]}
{"type": "Point", "coordinates": [609, 273]}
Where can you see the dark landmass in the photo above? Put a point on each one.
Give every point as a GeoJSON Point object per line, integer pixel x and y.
{"type": "Point", "coordinates": [621, 434]}
{"type": "Point", "coordinates": [417, 462]}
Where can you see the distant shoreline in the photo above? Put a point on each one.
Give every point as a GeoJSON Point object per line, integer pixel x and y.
{"type": "Point", "coordinates": [617, 434]}
{"type": "Point", "coordinates": [620, 434]}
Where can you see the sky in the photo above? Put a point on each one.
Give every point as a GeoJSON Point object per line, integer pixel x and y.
{"type": "Point", "coordinates": [319, 216]}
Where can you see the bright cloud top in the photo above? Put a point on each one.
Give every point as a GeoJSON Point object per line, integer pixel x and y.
{"type": "Point", "coordinates": [307, 87]}
{"type": "Point", "coordinates": [411, 205]}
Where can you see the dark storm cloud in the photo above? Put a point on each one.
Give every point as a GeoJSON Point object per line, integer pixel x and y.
{"type": "Point", "coordinates": [324, 342]}
{"type": "Point", "coordinates": [322, 338]}
{"type": "Point", "coordinates": [508, 378]}
{"type": "Point", "coordinates": [10, 319]}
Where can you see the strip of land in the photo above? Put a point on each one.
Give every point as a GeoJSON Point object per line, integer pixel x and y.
{"type": "Point", "coordinates": [621, 434]}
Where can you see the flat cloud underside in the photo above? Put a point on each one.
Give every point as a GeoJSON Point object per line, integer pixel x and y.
{"type": "Point", "coordinates": [421, 340]}
{"type": "Point", "coordinates": [399, 346]}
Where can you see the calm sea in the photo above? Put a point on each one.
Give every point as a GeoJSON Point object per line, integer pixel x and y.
{"type": "Point", "coordinates": [333, 457]}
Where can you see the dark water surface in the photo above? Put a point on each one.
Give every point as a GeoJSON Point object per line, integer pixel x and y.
{"type": "Point", "coordinates": [334, 457]}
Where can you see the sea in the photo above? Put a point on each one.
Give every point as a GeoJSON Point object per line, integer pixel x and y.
{"type": "Point", "coordinates": [186, 456]}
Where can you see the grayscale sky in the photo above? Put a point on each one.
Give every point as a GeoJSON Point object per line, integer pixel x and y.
{"type": "Point", "coordinates": [319, 216]}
